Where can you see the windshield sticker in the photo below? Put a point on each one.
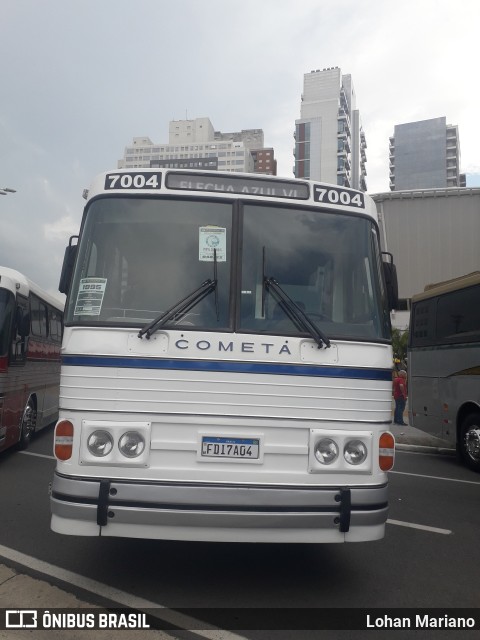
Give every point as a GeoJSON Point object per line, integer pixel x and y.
{"type": "Point", "coordinates": [211, 238]}
{"type": "Point", "coordinates": [90, 296]}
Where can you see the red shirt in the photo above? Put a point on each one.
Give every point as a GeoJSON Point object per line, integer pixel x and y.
{"type": "Point", "coordinates": [399, 387]}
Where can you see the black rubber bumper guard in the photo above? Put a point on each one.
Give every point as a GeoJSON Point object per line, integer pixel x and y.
{"type": "Point", "coordinates": [344, 498]}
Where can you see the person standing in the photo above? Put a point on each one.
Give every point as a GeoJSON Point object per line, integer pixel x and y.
{"type": "Point", "coordinates": [400, 396]}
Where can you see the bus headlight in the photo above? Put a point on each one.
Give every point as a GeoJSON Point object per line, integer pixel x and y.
{"type": "Point", "coordinates": [100, 443]}
{"type": "Point", "coordinates": [355, 452]}
{"type": "Point", "coordinates": [132, 444]}
{"type": "Point", "coordinates": [326, 451]}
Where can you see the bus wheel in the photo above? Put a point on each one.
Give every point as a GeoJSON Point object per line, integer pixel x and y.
{"type": "Point", "coordinates": [470, 441]}
{"type": "Point", "coordinates": [29, 420]}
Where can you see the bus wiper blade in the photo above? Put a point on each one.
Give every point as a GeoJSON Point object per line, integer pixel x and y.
{"type": "Point", "coordinates": [181, 307]}
{"type": "Point", "coordinates": [295, 313]}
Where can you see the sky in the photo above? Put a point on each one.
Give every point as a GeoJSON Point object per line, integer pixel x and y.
{"type": "Point", "coordinates": [81, 78]}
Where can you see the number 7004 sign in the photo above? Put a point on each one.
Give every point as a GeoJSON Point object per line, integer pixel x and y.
{"type": "Point", "coordinates": [133, 180]}
{"type": "Point", "coordinates": [332, 195]}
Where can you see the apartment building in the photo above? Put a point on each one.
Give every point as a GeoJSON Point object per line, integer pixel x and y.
{"type": "Point", "coordinates": [329, 140]}
{"type": "Point", "coordinates": [264, 161]}
{"type": "Point", "coordinates": [425, 155]}
{"type": "Point", "coordinates": [194, 144]}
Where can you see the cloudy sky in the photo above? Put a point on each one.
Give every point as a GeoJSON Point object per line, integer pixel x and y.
{"type": "Point", "coordinates": [81, 78]}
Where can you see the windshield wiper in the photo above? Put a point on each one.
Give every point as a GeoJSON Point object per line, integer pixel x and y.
{"type": "Point", "coordinates": [186, 304]}
{"type": "Point", "coordinates": [295, 313]}
{"type": "Point", "coordinates": [181, 307]}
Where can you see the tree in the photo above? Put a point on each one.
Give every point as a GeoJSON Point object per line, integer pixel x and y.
{"type": "Point", "coordinates": [399, 344]}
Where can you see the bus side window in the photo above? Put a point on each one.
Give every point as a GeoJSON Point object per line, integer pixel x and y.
{"type": "Point", "coordinates": [423, 320]}
{"type": "Point", "coordinates": [20, 333]}
{"type": "Point", "coordinates": [54, 326]}
{"type": "Point", "coordinates": [458, 318]}
{"type": "Point", "coordinates": [6, 310]}
{"type": "Point", "coordinates": [39, 317]}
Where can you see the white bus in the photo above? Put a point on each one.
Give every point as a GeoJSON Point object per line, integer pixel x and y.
{"type": "Point", "coordinates": [226, 362]}
{"type": "Point", "coordinates": [30, 341]}
{"type": "Point", "coordinates": [444, 364]}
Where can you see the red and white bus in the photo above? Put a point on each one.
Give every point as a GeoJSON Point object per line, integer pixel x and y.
{"type": "Point", "coordinates": [31, 323]}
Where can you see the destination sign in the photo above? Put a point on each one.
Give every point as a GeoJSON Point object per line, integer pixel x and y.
{"type": "Point", "coordinates": [240, 185]}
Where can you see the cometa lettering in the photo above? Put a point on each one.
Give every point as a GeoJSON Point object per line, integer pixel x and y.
{"type": "Point", "coordinates": [243, 347]}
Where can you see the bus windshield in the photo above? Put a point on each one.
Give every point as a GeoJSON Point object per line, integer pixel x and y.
{"type": "Point", "coordinates": [139, 257]}
{"type": "Point", "coordinates": [328, 264]}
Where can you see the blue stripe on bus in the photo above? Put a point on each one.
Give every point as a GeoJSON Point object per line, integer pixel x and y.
{"type": "Point", "coordinates": [229, 366]}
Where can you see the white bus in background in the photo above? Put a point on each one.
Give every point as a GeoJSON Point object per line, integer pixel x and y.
{"type": "Point", "coordinates": [444, 364]}
{"type": "Point", "coordinates": [30, 341]}
{"type": "Point", "coordinates": [226, 362]}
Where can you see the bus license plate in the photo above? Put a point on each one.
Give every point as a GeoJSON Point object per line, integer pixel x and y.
{"type": "Point", "coordinates": [237, 448]}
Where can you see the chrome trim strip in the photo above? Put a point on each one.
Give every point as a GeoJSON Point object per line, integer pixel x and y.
{"type": "Point", "coordinates": [209, 505]}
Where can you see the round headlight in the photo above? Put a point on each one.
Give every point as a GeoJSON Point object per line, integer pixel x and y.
{"type": "Point", "coordinates": [355, 452]}
{"type": "Point", "coordinates": [132, 444]}
{"type": "Point", "coordinates": [100, 443]}
{"type": "Point", "coordinates": [326, 451]}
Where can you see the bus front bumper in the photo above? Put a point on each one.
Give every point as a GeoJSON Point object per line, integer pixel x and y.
{"type": "Point", "coordinates": [212, 512]}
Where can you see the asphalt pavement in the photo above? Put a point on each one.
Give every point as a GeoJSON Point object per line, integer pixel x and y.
{"type": "Point", "coordinates": [18, 590]}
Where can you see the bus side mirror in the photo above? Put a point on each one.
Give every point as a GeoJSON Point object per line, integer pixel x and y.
{"type": "Point", "coordinates": [391, 282]}
{"type": "Point", "coordinates": [67, 268]}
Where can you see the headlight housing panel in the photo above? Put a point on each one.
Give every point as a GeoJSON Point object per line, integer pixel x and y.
{"type": "Point", "coordinates": [340, 451]}
{"type": "Point", "coordinates": [108, 442]}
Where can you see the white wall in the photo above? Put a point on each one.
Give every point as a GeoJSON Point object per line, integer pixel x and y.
{"type": "Point", "coordinates": [434, 235]}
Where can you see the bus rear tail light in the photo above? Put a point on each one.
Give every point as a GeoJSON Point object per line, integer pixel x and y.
{"type": "Point", "coordinates": [386, 454]}
{"type": "Point", "coordinates": [63, 440]}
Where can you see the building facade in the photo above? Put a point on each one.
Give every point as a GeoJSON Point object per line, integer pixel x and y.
{"type": "Point", "coordinates": [264, 161]}
{"type": "Point", "coordinates": [194, 144]}
{"type": "Point", "coordinates": [329, 140]}
{"type": "Point", "coordinates": [425, 155]}
{"type": "Point", "coordinates": [433, 236]}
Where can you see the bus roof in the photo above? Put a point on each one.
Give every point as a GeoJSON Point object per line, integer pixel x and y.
{"type": "Point", "coordinates": [439, 288]}
{"type": "Point", "coordinates": [218, 184]}
{"type": "Point", "coordinates": [24, 285]}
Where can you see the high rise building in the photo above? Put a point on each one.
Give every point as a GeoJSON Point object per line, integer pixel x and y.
{"type": "Point", "coordinates": [264, 161]}
{"type": "Point", "coordinates": [329, 140]}
{"type": "Point", "coordinates": [194, 144]}
{"type": "Point", "coordinates": [425, 155]}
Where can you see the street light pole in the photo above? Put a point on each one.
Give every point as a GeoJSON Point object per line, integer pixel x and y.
{"type": "Point", "coordinates": [6, 190]}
